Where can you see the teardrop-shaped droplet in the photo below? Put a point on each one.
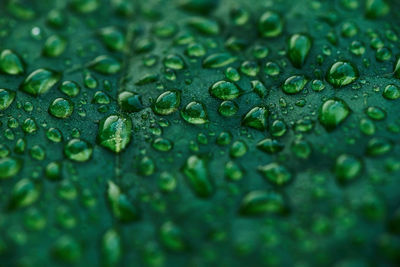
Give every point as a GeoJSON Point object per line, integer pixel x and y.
{"type": "Point", "coordinates": [113, 38]}
{"type": "Point", "coordinates": [6, 98]}
{"type": "Point", "coordinates": [270, 146]}
{"type": "Point", "coordinates": [204, 25]}
{"type": "Point", "coordinates": [299, 47]}
{"type": "Point", "coordinates": [105, 65]}
{"type": "Point", "coordinates": [111, 248]}
{"type": "Point", "coordinates": [167, 103]}
{"type": "Point", "coordinates": [121, 207]}
{"type": "Point", "coordinates": [197, 174]}
{"type": "Point", "coordinates": [294, 84]}
{"type": "Point", "coordinates": [194, 113]}
{"type": "Point", "coordinates": [218, 60]}
{"type": "Point", "coordinates": [275, 173]}
{"type": "Point", "coordinates": [10, 63]}
{"type": "Point", "coordinates": [78, 150]}
{"type": "Point", "coordinates": [40, 81]}
{"type": "Point", "coordinates": [256, 118]}
{"type": "Point", "coordinates": [130, 102]}
{"type": "Point", "coordinates": [342, 73]}
{"type": "Point", "coordinates": [115, 132]}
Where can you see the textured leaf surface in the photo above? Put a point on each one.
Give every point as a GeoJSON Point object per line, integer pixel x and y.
{"type": "Point", "coordinates": [199, 133]}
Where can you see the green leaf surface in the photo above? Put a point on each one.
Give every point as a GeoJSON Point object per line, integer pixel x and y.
{"type": "Point", "coordinates": [199, 133]}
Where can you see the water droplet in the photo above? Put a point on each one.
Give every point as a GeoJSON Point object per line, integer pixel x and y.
{"type": "Point", "coordinates": [270, 24]}
{"type": "Point", "coordinates": [294, 84]}
{"type": "Point", "coordinates": [167, 182]}
{"type": "Point", "coordinates": [115, 132]}
{"type": "Point", "coordinates": [85, 6]}
{"type": "Point", "coordinates": [299, 47]}
{"type": "Point", "coordinates": [256, 118]}
{"type": "Point", "coordinates": [24, 193]}
{"type": "Point", "coordinates": [174, 62]}
{"type": "Point", "coordinates": [9, 167]}
{"type": "Point", "coordinates": [67, 249]}
{"type": "Point", "coordinates": [196, 172]}
{"type": "Point", "coordinates": [78, 150]}
{"type": "Point", "coordinates": [270, 146]}
{"type": "Point", "coordinates": [113, 38]}
{"type": "Point", "coordinates": [6, 98]}
{"type": "Point", "coordinates": [333, 112]}
{"type": "Point", "coordinates": [70, 88]}
{"type": "Point", "coordinates": [218, 60]}
{"type": "Point", "coordinates": [379, 146]}
{"type": "Point", "coordinates": [53, 171]}
{"type": "Point", "coordinates": [194, 113]}
{"type": "Point", "coordinates": [37, 152]}
{"type": "Point", "coordinates": [375, 113]}
{"type": "Point", "coordinates": [10, 63]}
{"type": "Point", "coordinates": [61, 108]}
{"type": "Point", "coordinates": [162, 144]}
{"type": "Point", "coordinates": [347, 167]}
{"type": "Point", "coordinates": [130, 102]}
{"type": "Point", "coordinates": [228, 108]}
{"type": "Point", "coordinates": [29, 126]}
{"type": "Point", "coordinates": [195, 50]}
{"type": "Point", "coordinates": [376, 8]}
{"type": "Point", "coordinates": [111, 247]}
{"type": "Point", "coordinates": [342, 73]}
{"type": "Point", "coordinates": [204, 25]}
{"type": "Point", "coordinates": [168, 102]}
{"type": "Point", "coordinates": [262, 202]}
{"type": "Point", "coordinates": [54, 135]}
{"type": "Point", "coordinates": [105, 65]}
{"type": "Point", "coordinates": [40, 81]}
{"type": "Point", "coordinates": [276, 173]}
{"type": "Point", "coordinates": [238, 149]}
{"type": "Point", "coordinates": [171, 237]}
{"type": "Point", "coordinates": [391, 92]}
{"type": "Point", "coordinates": [249, 68]}
{"type": "Point", "coordinates": [224, 90]}
{"type": "Point", "coordinates": [54, 46]}
{"type": "Point", "coordinates": [121, 207]}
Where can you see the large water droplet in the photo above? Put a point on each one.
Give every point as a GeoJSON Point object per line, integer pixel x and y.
{"type": "Point", "coordinates": [342, 73]}
{"type": "Point", "coordinates": [194, 113]}
{"type": "Point", "coordinates": [167, 103]}
{"type": "Point", "coordinates": [78, 150]}
{"type": "Point", "coordinates": [256, 118]}
{"type": "Point", "coordinates": [6, 98]}
{"type": "Point", "coordinates": [197, 175]}
{"type": "Point", "coordinates": [224, 90]}
{"type": "Point", "coordinates": [115, 132]}
{"type": "Point", "coordinates": [270, 24]}
{"type": "Point", "coordinates": [61, 108]}
{"type": "Point", "coordinates": [299, 47]}
{"type": "Point", "coordinates": [40, 81]}
{"type": "Point", "coordinates": [333, 112]}
{"type": "Point", "coordinates": [9, 167]}
{"type": "Point", "coordinates": [105, 65]}
{"type": "Point", "coordinates": [10, 63]}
